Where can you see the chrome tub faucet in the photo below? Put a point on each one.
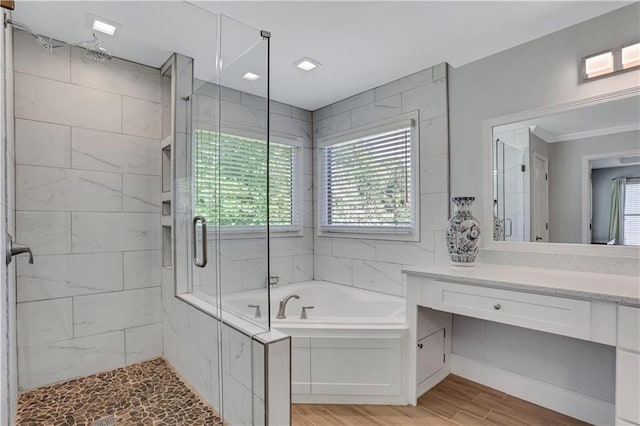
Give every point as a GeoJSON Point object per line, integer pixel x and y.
{"type": "Point", "coordinates": [283, 305]}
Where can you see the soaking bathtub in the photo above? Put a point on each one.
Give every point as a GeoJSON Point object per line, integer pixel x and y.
{"type": "Point", "coordinates": [351, 347]}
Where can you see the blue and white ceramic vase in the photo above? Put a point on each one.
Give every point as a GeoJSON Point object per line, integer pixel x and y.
{"type": "Point", "coordinates": [463, 233]}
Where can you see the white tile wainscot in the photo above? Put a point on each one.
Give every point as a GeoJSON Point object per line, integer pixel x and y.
{"type": "Point", "coordinates": [592, 307]}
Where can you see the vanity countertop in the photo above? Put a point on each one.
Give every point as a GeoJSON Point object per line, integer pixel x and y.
{"type": "Point", "coordinates": [583, 285]}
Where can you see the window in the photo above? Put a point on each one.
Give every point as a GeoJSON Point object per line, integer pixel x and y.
{"type": "Point", "coordinates": [631, 227]}
{"type": "Point", "coordinates": [368, 182]}
{"type": "Point", "coordinates": [239, 165]}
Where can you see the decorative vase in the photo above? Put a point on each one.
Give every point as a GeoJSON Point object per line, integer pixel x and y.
{"type": "Point", "coordinates": [463, 233]}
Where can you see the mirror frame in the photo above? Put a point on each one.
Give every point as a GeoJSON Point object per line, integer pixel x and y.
{"type": "Point", "coordinates": [487, 169]}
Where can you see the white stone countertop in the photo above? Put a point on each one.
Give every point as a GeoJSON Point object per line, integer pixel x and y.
{"type": "Point", "coordinates": [584, 285]}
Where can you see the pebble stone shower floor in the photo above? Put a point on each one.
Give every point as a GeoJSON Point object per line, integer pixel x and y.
{"type": "Point", "coordinates": [147, 394]}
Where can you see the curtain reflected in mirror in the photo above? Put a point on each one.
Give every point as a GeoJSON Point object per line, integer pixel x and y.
{"type": "Point", "coordinates": [624, 216]}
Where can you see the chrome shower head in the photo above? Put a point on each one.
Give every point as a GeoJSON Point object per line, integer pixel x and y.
{"type": "Point", "coordinates": [95, 51]}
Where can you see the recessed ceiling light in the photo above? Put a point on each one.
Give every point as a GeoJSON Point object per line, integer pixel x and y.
{"type": "Point", "coordinates": [251, 76]}
{"type": "Point", "coordinates": [306, 64]}
{"type": "Point", "coordinates": [599, 64]}
{"type": "Point", "coordinates": [631, 56]}
{"type": "Point", "coordinates": [104, 27]}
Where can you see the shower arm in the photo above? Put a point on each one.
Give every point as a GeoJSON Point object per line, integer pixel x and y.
{"type": "Point", "coordinates": [47, 45]}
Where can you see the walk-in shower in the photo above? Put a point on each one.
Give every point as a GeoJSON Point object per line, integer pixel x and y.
{"type": "Point", "coordinates": [144, 193]}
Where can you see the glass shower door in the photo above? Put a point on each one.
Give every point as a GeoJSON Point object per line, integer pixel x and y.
{"type": "Point", "coordinates": [225, 225]}
{"type": "Point", "coordinates": [226, 180]}
{"type": "Point", "coordinates": [242, 225]}
{"type": "Point", "coordinates": [243, 158]}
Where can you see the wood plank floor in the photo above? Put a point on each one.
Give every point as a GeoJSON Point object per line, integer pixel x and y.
{"type": "Point", "coordinates": [455, 401]}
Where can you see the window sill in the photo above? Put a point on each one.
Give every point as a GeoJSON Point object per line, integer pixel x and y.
{"type": "Point", "coordinates": [409, 235]}
{"type": "Point", "coordinates": [230, 234]}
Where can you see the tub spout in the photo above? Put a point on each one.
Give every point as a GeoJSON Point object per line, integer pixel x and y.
{"type": "Point", "coordinates": [283, 305]}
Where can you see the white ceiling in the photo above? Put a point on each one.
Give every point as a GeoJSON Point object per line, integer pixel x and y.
{"type": "Point", "coordinates": [602, 119]}
{"type": "Point", "coordinates": [360, 44]}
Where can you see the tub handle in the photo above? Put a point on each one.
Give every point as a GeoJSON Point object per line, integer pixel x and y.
{"type": "Point", "coordinates": [258, 314]}
{"type": "Point", "coordinates": [303, 314]}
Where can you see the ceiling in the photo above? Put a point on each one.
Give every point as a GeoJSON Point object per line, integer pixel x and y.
{"type": "Point", "coordinates": [359, 44]}
{"type": "Point", "coordinates": [595, 120]}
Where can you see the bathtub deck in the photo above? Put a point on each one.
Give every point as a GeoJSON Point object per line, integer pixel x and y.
{"type": "Point", "coordinates": [455, 401]}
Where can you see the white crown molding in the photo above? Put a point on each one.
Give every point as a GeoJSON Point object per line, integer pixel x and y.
{"type": "Point", "coordinates": [550, 137]}
{"type": "Point", "coordinates": [543, 134]}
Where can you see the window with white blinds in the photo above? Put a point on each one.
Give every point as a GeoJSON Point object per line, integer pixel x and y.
{"type": "Point", "coordinates": [631, 227]}
{"type": "Point", "coordinates": [234, 169]}
{"type": "Point", "coordinates": [368, 181]}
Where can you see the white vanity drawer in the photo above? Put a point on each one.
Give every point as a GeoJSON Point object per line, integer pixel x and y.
{"type": "Point", "coordinates": [629, 328]}
{"type": "Point", "coordinates": [558, 315]}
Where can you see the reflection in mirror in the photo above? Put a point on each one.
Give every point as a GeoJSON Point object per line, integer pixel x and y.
{"type": "Point", "coordinates": [571, 177]}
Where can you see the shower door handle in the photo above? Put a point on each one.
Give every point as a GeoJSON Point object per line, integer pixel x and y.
{"type": "Point", "coordinates": [200, 263]}
{"type": "Point", "coordinates": [505, 227]}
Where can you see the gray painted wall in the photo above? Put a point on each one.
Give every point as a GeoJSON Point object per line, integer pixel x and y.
{"type": "Point", "coordinates": [601, 184]}
{"type": "Point", "coordinates": [540, 73]}
{"type": "Point", "coordinates": [565, 180]}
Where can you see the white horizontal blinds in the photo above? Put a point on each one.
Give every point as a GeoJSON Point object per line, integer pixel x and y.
{"type": "Point", "coordinates": [368, 182]}
{"type": "Point", "coordinates": [231, 180]}
{"type": "Point", "coordinates": [631, 225]}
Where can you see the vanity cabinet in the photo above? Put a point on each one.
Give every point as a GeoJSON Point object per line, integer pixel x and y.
{"type": "Point", "coordinates": [598, 308]}
{"type": "Point", "coordinates": [557, 315]}
{"type": "Point", "coordinates": [430, 355]}
{"type": "Point", "coordinates": [628, 366]}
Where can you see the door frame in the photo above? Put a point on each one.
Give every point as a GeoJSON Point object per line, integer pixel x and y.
{"type": "Point", "coordinates": [587, 194]}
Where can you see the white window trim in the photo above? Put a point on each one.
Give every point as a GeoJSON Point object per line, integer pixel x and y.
{"type": "Point", "coordinates": [372, 232]}
{"type": "Point", "coordinates": [635, 181]}
{"type": "Point", "coordinates": [277, 231]}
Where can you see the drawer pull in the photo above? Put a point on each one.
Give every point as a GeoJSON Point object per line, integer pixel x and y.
{"type": "Point", "coordinates": [497, 306]}
{"type": "Point", "coordinates": [420, 345]}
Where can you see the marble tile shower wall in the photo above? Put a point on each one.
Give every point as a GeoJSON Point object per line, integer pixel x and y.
{"type": "Point", "coordinates": [376, 264]}
{"type": "Point", "coordinates": [88, 204]}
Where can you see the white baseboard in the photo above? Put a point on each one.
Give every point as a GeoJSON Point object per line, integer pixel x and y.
{"type": "Point", "coordinates": [565, 401]}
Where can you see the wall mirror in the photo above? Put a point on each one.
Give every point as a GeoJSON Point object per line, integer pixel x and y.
{"type": "Point", "coordinates": [567, 174]}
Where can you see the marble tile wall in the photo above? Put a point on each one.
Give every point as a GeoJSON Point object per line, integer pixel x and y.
{"type": "Point", "coordinates": [376, 264]}
{"type": "Point", "coordinates": [88, 205]}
